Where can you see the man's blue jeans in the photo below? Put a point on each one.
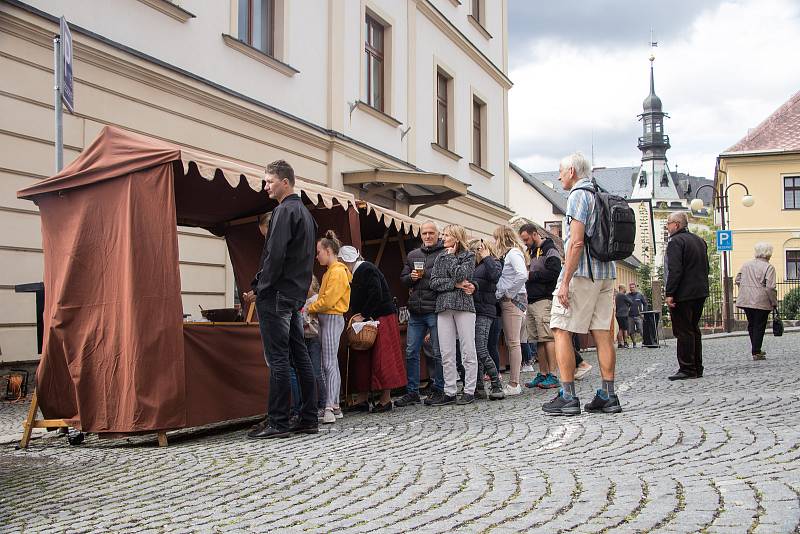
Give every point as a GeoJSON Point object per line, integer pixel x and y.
{"type": "Point", "coordinates": [418, 327]}
{"type": "Point", "coordinates": [282, 335]}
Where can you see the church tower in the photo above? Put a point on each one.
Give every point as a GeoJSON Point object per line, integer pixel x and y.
{"type": "Point", "coordinates": [654, 181]}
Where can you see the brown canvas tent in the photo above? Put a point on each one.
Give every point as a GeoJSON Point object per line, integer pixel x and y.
{"type": "Point", "coordinates": [117, 357]}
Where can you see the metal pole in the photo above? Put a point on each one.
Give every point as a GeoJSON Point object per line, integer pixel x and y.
{"type": "Point", "coordinates": [58, 73]}
{"type": "Point", "coordinates": [727, 283]}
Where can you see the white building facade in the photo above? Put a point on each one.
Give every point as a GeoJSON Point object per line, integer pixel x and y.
{"type": "Point", "coordinates": [415, 91]}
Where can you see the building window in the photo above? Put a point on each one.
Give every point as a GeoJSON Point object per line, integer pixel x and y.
{"type": "Point", "coordinates": [374, 51]}
{"type": "Point", "coordinates": [554, 227]}
{"type": "Point", "coordinates": [257, 24]}
{"type": "Point", "coordinates": [793, 264]}
{"type": "Point", "coordinates": [442, 109]}
{"type": "Point", "coordinates": [791, 193]}
{"type": "Point", "coordinates": [477, 10]}
{"type": "Point", "coordinates": [477, 132]}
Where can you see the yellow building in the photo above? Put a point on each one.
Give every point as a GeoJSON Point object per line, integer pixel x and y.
{"type": "Point", "coordinates": [767, 162]}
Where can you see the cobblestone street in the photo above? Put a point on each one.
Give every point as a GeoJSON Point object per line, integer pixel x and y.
{"type": "Point", "coordinates": [721, 454]}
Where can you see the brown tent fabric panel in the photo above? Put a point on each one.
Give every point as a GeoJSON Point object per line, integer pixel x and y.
{"type": "Point", "coordinates": [113, 153]}
{"type": "Point", "coordinates": [226, 374]}
{"type": "Point", "coordinates": [113, 347]}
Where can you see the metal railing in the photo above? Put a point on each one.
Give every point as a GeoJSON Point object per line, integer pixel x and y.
{"type": "Point", "coordinates": [712, 310]}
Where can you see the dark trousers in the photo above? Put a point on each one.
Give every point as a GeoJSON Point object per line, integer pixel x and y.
{"type": "Point", "coordinates": [686, 327]}
{"type": "Point", "coordinates": [282, 335]}
{"type": "Point", "coordinates": [483, 325]}
{"type": "Point", "coordinates": [576, 344]}
{"type": "Point", "coordinates": [756, 325]}
{"type": "Point", "coordinates": [493, 343]}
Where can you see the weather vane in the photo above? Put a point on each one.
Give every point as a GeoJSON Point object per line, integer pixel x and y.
{"type": "Point", "coordinates": [653, 44]}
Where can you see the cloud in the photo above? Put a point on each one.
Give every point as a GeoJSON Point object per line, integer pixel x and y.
{"type": "Point", "coordinates": [600, 22]}
{"type": "Point", "coordinates": [724, 68]}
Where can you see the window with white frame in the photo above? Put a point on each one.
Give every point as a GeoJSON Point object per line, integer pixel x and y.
{"type": "Point", "coordinates": [374, 51]}
{"type": "Point", "coordinates": [443, 103]}
{"type": "Point", "coordinates": [256, 24]}
{"type": "Point", "coordinates": [478, 132]}
{"type": "Point", "coordinates": [793, 264]}
{"type": "Point", "coordinates": [791, 192]}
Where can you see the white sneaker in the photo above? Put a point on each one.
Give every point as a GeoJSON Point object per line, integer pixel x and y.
{"type": "Point", "coordinates": [510, 390]}
{"type": "Point", "coordinates": [580, 372]}
{"type": "Point", "coordinates": [338, 413]}
{"type": "Point", "coordinates": [527, 368]}
{"type": "Point", "coordinates": [328, 418]}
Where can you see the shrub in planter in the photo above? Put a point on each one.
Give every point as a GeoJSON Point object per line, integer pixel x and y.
{"type": "Point", "coordinates": [790, 306]}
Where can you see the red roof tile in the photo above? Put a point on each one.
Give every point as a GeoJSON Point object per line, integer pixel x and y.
{"type": "Point", "coordinates": [779, 131]}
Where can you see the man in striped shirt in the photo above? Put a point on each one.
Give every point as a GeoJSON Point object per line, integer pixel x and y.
{"type": "Point", "coordinates": [583, 299]}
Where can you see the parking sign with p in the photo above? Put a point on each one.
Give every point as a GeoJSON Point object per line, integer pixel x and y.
{"type": "Point", "coordinates": [724, 240]}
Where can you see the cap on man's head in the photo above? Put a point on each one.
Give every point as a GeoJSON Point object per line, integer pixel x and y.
{"type": "Point", "coordinates": [348, 254]}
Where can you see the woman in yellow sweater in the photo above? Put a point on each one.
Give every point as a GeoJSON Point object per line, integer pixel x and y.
{"type": "Point", "coordinates": [330, 306]}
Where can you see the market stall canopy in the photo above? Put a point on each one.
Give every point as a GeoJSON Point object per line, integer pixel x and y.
{"type": "Point", "coordinates": [117, 152]}
{"type": "Point", "coordinates": [389, 218]}
{"type": "Point", "coordinates": [418, 188]}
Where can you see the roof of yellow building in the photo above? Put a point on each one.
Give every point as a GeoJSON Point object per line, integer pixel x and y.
{"type": "Point", "coordinates": [779, 131]}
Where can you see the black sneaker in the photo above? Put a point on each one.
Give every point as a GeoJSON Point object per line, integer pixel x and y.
{"type": "Point", "coordinates": [497, 392]}
{"type": "Point", "coordinates": [409, 399]}
{"type": "Point", "coordinates": [466, 398]}
{"type": "Point", "coordinates": [269, 432]}
{"type": "Point", "coordinates": [360, 407]}
{"type": "Point", "coordinates": [444, 400]}
{"type": "Point", "coordinates": [561, 406]}
{"type": "Point", "coordinates": [304, 428]}
{"type": "Point", "coordinates": [480, 393]}
{"type": "Point", "coordinates": [433, 397]}
{"type": "Point", "coordinates": [380, 408]}
{"type": "Point", "coordinates": [600, 404]}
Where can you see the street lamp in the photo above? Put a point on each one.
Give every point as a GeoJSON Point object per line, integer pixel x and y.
{"type": "Point", "coordinates": [721, 200]}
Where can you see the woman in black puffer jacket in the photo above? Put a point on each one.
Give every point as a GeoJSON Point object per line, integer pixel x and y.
{"type": "Point", "coordinates": [487, 273]}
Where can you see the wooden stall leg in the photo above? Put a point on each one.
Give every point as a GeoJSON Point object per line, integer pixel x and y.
{"type": "Point", "coordinates": [162, 439]}
{"type": "Point", "coordinates": [28, 425]}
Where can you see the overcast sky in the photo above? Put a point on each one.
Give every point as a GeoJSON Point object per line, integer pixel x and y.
{"type": "Point", "coordinates": [580, 71]}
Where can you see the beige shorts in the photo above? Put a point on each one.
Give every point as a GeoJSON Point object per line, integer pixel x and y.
{"type": "Point", "coordinates": [591, 306]}
{"type": "Point", "coordinates": [538, 320]}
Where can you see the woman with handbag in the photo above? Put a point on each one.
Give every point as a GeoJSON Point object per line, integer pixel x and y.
{"type": "Point", "coordinates": [455, 314]}
{"type": "Point", "coordinates": [382, 368]}
{"type": "Point", "coordinates": [513, 298]}
{"type": "Point", "coordinates": [330, 307]}
{"type": "Point", "coordinates": [757, 295]}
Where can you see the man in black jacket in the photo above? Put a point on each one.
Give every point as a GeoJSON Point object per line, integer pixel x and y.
{"type": "Point", "coordinates": [281, 287]}
{"type": "Point", "coordinates": [542, 277]}
{"type": "Point", "coordinates": [686, 289]}
{"type": "Point", "coordinates": [422, 314]}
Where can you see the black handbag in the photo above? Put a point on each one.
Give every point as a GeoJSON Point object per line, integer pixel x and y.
{"type": "Point", "coordinates": [777, 324]}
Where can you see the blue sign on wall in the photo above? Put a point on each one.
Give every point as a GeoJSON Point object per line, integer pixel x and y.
{"type": "Point", "coordinates": [724, 240]}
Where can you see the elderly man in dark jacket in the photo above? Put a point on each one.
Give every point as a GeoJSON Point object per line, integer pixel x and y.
{"type": "Point", "coordinates": [422, 314]}
{"type": "Point", "coordinates": [280, 290]}
{"type": "Point", "coordinates": [686, 289]}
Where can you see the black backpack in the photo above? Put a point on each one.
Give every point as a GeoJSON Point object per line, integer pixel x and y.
{"type": "Point", "coordinates": [614, 235]}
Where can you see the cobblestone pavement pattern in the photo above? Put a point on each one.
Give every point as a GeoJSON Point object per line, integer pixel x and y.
{"type": "Point", "coordinates": [717, 455]}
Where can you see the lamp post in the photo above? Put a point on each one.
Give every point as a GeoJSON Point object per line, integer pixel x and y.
{"type": "Point", "coordinates": [722, 203]}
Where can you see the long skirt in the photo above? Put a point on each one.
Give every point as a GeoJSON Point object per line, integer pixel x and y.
{"type": "Point", "coordinates": [383, 366]}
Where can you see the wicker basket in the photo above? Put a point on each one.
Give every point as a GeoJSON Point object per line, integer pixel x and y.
{"type": "Point", "coordinates": [364, 339]}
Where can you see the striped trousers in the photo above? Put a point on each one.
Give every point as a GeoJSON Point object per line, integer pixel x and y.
{"type": "Point", "coordinates": [330, 332]}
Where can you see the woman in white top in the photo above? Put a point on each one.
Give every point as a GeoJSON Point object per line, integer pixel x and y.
{"type": "Point", "coordinates": [513, 298]}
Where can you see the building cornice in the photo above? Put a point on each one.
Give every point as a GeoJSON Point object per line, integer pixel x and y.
{"type": "Point", "coordinates": [449, 29]}
{"type": "Point", "coordinates": [170, 9]}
